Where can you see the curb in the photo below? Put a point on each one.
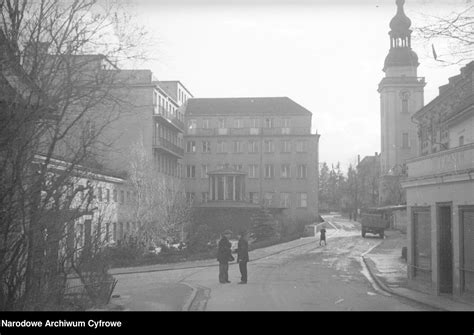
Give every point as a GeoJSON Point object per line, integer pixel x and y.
{"type": "Point", "coordinates": [383, 287]}
{"type": "Point", "coordinates": [207, 265]}
{"type": "Point", "coordinates": [190, 300]}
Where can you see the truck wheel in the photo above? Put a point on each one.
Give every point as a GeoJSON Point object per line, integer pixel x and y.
{"type": "Point", "coordinates": [363, 233]}
{"type": "Point", "coordinates": [381, 235]}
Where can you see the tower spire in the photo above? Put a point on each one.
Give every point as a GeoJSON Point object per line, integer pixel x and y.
{"type": "Point", "coordinates": [400, 53]}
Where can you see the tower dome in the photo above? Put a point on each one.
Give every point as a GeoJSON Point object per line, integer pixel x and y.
{"type": "Point", "coordinates": [400, 53]}
{"type": "Point", "coordinates": [400, 23]}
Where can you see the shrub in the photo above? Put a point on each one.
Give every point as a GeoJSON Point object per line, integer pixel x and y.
{"type": "Point", "coordinates": [263, 225]}
{"type": "Point", "coordinates": [200, 239]}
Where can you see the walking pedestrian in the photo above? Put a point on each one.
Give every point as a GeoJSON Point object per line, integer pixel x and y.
{"type": "Point", "coordinates": [322, 235]}
{"type": "Point", "coordinates": [224, 256]}
{"type": "Point", "coordinates": [243, 256]}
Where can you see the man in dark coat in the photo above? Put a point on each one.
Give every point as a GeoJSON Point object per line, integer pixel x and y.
{"type": "Point", "coordinates": [243, 257]}
{"type": "Point", "coordinates": [224, 256]}
{"type": "Point", "coordinates": [322, 236]}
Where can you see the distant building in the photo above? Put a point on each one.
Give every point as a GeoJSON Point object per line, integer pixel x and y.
{"type": "Point", "coordinates": [440, 192]}
{"type": "Point", "coordinates": [250, 152]}
{"type": "Point", "coordinates": [368, 178]}
{"type": "Point", "coordinates": [401, 95]}
{"type": "Point", "coordinates": [98, 215]}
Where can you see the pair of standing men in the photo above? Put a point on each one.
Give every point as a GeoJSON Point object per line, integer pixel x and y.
{"type": "Point", "coordinates": [224, 256]}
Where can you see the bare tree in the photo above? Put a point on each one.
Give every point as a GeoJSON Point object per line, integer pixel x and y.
{"type": "Point", "coordinates": [455, 34]}
{"type": "Point", "coordinates": [160, 206]}
{"type": "Point", "coordinates": [56, 102]}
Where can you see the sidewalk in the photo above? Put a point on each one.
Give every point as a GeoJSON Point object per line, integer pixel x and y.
{"type": "Point", "coordinates": [254, 255]}
{"type": "Point", "coordinates": [389, 270]}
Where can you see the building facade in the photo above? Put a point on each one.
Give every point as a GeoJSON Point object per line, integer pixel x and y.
{"type": "Point", "coordinates": [401, 95]}
{"type": "Point", "coordinates": [368, 178]}
{"type": "Point", "coordinates": [265, 145]}
{"type": "Point", "coordinates": [440, 192]}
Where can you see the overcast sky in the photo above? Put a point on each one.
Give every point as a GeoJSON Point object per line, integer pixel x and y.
{"type": "Point", "coordinates": [325, 55]}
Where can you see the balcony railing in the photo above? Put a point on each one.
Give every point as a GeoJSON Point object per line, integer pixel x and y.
{"type": "Point", "coordinates": [248, 131]}
{"type": "Point", "coordinates": [168, 116]}
{"type": "Point", "coordinates": [454, 160]}
{"type": "Point", "coordinates": [172, 148]}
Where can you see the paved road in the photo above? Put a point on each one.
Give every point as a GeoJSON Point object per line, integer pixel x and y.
{"type": "Point", "coordinates": [307, 277]}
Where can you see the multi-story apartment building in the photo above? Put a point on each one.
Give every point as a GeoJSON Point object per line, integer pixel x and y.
{"type": "Point", "coordinates": [251, 151]}
{"type": "Point", "coordinates": [137, 110]}
{"type": "Point", "coordinates": [137, 113]}
{"type": "Point", "coordinates": [440, 192]}
{"type": "Point", "coordinates": [151, 117]}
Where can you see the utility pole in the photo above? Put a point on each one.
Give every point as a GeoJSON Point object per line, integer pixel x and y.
{"type": "Point", "coordinates": [356, 188]}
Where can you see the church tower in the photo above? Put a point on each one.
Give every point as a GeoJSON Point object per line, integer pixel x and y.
{"type": "Point", "coordinates": [401, 95]}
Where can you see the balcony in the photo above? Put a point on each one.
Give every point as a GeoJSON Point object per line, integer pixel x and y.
{"type": "Point", "coordinates": [166, 116]}
{"type": "Point", "coordinates": [165, 145]}
{"type": "Point", "coordinates": [443, 163]}
{"type": "Point", "coordinates": [248, 131]}
{"type": "Point", "coordinates": [401, 80]}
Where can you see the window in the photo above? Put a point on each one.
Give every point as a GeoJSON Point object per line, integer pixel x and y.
{"type": "Point", "coordinates": [190, 196]}
{"type": "Point", "coordinates": [268, 123]}
{"type": "Point", "coordinates": [128, 197]}
{"type": "Point", "coordinates": [286, 146]}
{"type": "Point", "coordinates": [239, 123]}
{"type": "Point", "coordinates": [253, 171]}
{"type": "Point", "coordinates": [285, 171]}
{"type": "Point", "coordinates": [268, 146]}
{"type": "Point", "coordinates": [285, 200]}
{"type": "Point", "coordinates": [405, 142]}
{"type": "Point", "coordinates": [268, 171]}
{"type": "Point", "coordinates": [237, 147]}
{"type": "Point", "coordinates": [461, 140]}
{"type": "Point", "coordinates": [205, 196]}
{"type": "Point", "coordinates": [301, 171]}
{"type": "Point", "coordinates": [253, 197]}
{"type": "Point", "coordinates": [190, 171]}
{"type": "Point", "coordinates": [99, 194]}
{"type": "Point", "coordinates": [206, 123]}
{"type": "Point", "coordinates": [300, 146]}
{"type": "Point", "coordinates": [221, 123]}
{"type": "Point", "coordinates": [238, 167]}
{"type": "Point", "coordinates": [285, 126]}
{"type": "Point", "coordinates": [192, 124]}
{"type": "Point", "coordinates": [206, 146]}
{"type": "Point", "coordinates": [253, 147]}
{"type": "Point", "coordinates": [254, 126]}
{"type": "Point", "coordinates": [122, 197]}
{"type": "Point", "coordinates": [107, 232]}
{"type": "Point", "coordinates": [107, 195]}
{"type": "Point", "coordinates": [114, 195]}
{"type": "Point", "coordinates": [190, 146]}
{"type": "Point", "coordinates": [268, 198]}
{"type": "Point", "coordinates": [221, 147]}
{"type": "Point", "coordinates": [114, 231]}
{"type": "Point", "coordinates": [204, 169]}
{"type": "Point", "coordinates": [254, 123]}
{"type": "Point", "coordinates": [303, 200]}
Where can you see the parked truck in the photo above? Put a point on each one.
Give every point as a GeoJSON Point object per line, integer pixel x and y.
{"type": "Point", "coordinates": [374, 221]}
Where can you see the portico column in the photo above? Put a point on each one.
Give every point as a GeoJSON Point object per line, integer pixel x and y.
{"type": "Point", "coordinates": [216, 191]}
{"type": "Point", "coordinates": [233, 189]}
{"type": "Point", "coordinates": [210, 188]}
{"type": "Point", "coordinates": [225, 187]}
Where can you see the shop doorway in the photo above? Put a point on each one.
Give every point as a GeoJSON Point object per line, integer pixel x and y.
{"type": "Point", "coordinates": [445, 251]}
